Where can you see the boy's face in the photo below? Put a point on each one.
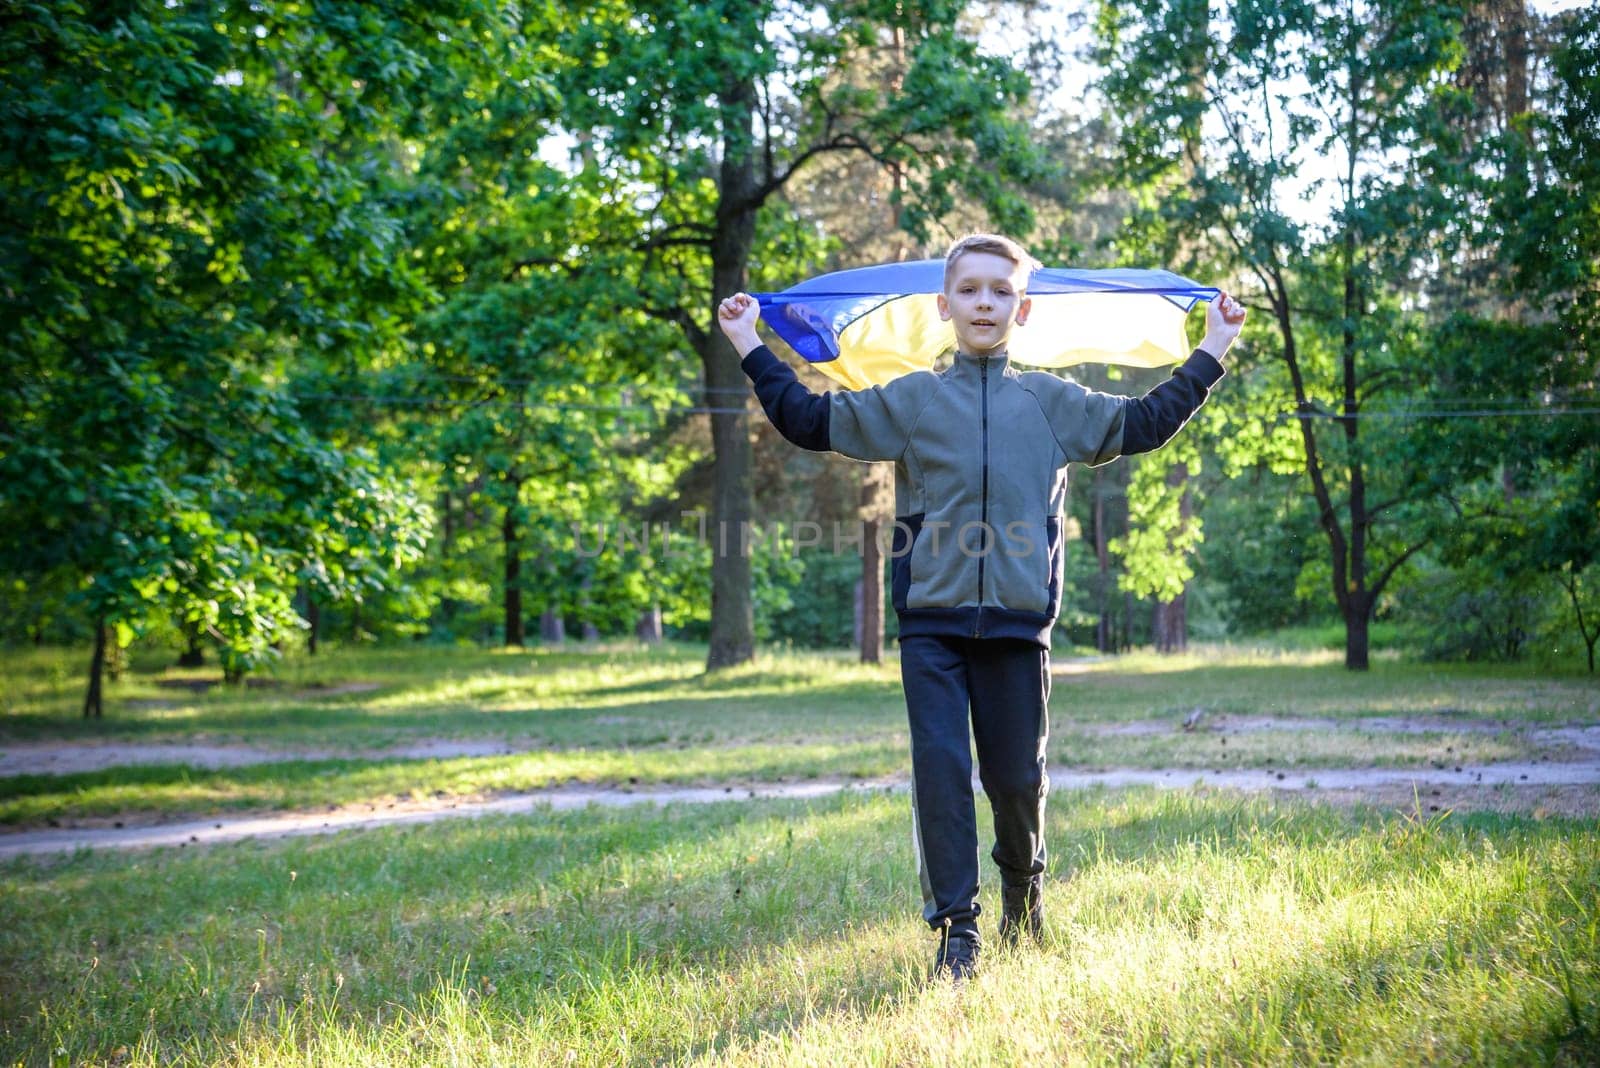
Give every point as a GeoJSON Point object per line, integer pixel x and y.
{"type": "Point", "coordinates": [984, 299]}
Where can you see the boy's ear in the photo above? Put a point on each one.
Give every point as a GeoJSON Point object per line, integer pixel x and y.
{"type": "Point", "coordinates": [1023, 309]}
{"type": "Point", "coordinates": [944, 308]}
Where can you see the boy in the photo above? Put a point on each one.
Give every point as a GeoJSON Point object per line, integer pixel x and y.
{"type": "Point", "coordinates": [980, 454]}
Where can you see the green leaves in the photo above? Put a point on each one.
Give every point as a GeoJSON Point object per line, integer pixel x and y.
{"type": "Point", "coordinates": [192, 196]}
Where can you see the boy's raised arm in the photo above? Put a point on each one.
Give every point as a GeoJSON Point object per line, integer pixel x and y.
{"type": "Point", "coordinates": [864, 424]}
{"type": "Point", "coordinates": [1095, 428]}
{"type": "Point", "coordinates": [800, 415]}
{"type": "Point", "coordinates": [1151, 421]}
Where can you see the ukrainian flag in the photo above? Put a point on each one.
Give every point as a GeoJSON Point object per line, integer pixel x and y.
{"type": "Point", "coordinates": [869, 326]}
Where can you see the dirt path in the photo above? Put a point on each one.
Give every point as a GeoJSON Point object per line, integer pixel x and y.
{"type": "Point", "coordinates": [1543, 788]}
{"type": "Point", "coordinates": [70, 758]}
{"type": "Point", "coordinates": [1578, 736]}
{"type": "Point", "coordinates": [1565, 787]}
{"type": "Point", "coordinates": [293, 824]}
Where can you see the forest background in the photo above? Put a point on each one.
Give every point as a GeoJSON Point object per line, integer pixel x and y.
{"type": "Point", "coordinates": [369, 321]}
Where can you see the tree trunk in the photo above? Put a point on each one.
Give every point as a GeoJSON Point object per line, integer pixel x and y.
{"type": "Point", "coordinates": [1358, 602]}
{"type": "Point", "coordinates": [869, 593]}
{"type": "Point", "coordinates": [93, 706]}
{"type": "Point", "coordinates": [857, 613]}
{"type": "Point", "coordinates": [732, 607]}
{"type": "Point", "coordinates": [314, 618]}
{"type": "Point", "coordinates": [552, 628]}
{"type": "Point", "coordinates": [1345, 588]}
{"type": "Point", "coordinates": [648, 628]}
{"type": "Point", "coordinates": [1169, 625]}
{"type": "Point", "coordinates": [1355, 636]}
{"type": "Point", "coordinates": [194, 654]}
{"type": "Point", "coordinates": [1569, 580]}
{"type": "Point", "coordinates": [869, 639]}
{"type": "Point", "coordinates": [513, 576]}
{"type": "Point", "coordinates": [1169, 621]}
{"type": "Point", "coordinates": [1514, 26]}
{"type": "Point", "coordinates": [1102, 555]}
{"type": "Point", "coordinates": [586, 627]}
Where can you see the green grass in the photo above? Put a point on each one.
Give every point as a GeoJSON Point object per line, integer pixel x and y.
{"type": "Point", "coordinates": [1259, 680]}
{"type": "Point", "coordinates": [635, 695]}
{"type": "Point", "coordinates": [647, 695]}
{"type": "Point", "coordinates": [1186, 927]}
{"type": "Point", "coordinates": [626, 713]}
{"type": "Point", "coordinates": [168, 790]}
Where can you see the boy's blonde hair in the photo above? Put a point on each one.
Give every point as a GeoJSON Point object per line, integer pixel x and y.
{"type": "Point", "coordinates": [995, 245]}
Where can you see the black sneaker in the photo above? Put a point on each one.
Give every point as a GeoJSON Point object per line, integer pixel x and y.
{"type": "Point", "coordinates": [957, 959]}
{"type": "Point", "coordinates": [1022, 911]}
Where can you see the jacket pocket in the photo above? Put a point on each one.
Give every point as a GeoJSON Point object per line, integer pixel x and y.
{"type": "Point", "coordinates": [1019, 566]}
{"type": "Point", "coordinates": [906, 529]}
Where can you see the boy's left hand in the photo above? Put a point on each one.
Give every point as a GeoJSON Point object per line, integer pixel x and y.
{"type": "Point", "coordinates": [1224, 320]}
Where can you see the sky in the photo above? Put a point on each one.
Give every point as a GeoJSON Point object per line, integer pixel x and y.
{"type": "Point", "coordinates": [1310, 199]}
{"type": "Point", "coordinates": [1067, 22]}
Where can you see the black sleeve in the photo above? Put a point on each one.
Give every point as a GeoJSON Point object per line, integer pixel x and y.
{"type": "Point", "coordinates": [799, 414]}
{"type": "Point", "coordinates": [1150, 421]}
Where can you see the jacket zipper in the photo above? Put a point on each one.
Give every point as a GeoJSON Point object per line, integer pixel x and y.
{"type": "Point", "coordinates": [983, 385]}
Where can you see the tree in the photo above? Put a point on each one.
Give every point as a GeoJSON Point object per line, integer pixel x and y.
{"type": "Point", "coordinates": [186, 202]}
{"type": "Point", "coordinates": [1512, 444]}
{"type": "Point", "coordinates": [548, 374]}
{"type": "Point", "coordinates": [709, 110]}
{"type": "Point", "coordinates": [1364, 87]}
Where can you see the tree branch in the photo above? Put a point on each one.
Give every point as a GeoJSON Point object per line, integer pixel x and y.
{"type": "Point", "coordinates": [520, 266]}
{"type": "Point", "coordinates": [1394, 565]}
{"type": "Point", "coordinates": [1374, 511]}
{"type": "Point", "coordinates": [830, 139]}
{"type": "Point", "coordinates": [1377, 378]}
{"type": "Point", "coordinates": [844, 142]}
{"type": "Point", "coordinates": [666, 240]}
{"type": "Point", "coordinates": [692, 330]}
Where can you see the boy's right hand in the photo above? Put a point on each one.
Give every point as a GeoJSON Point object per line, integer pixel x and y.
{"type": "Point", "coordinates": [737, 316]}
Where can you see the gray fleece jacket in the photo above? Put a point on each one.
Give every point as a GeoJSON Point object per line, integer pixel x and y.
{"type": "Point", "coordinates": [981, 453]}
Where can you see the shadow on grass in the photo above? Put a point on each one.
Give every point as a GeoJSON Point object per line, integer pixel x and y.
{"type": "Point", "coordinates": [557, 912]}
{"type": "Point", "coordinates": [1147, 686]}
{"type": "Point", "coordinates": [173, 791]}
{"type": "Point", "coordinates": [760, 680]}
{"type": "Point", "coordinates": [558, 696]}
{"type": "Point", "coordinates": [649, 936]}
{"type": "Point", "coordinates": [349, 721]}
{"type": "Point", "coordinates": [1389, 932]}
{"type": "Point", "coordinates": [793, 706]}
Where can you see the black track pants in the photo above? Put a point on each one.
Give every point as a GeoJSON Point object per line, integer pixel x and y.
{"type": "Point", "coordinates": [1004, 684]}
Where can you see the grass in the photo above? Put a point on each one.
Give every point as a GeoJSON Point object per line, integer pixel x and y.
{"type": "Point", "coordinates": [617, 714]}
{"type": "Point", "coordinates": [1187, 927]}
{"type": "Point", "coordinates": [168, 790]}
{"type": "Point", "coordinates": [652, 694]}
{"type": "Point", "coordinates": [628, 694]}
